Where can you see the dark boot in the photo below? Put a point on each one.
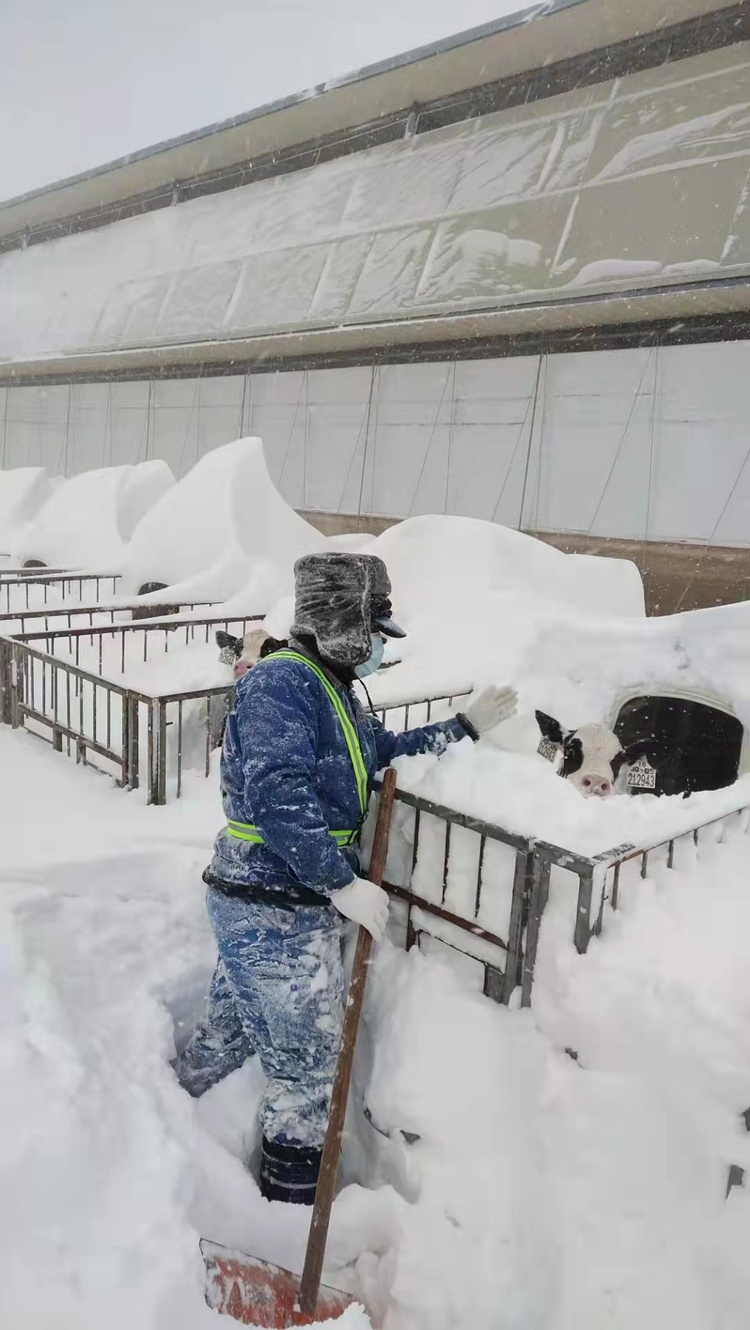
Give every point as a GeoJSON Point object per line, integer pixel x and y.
{"type": "Point", "coordinates": [289, 1172]}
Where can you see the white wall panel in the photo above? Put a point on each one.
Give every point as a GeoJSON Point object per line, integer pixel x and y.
{"type": "Point", "coordinates": [702, 466]}
{"type": "Point", "coordinates": [339, 407]}
{"type": "Point", "coordinates": [89, 433]}
{"type": "Point", "coordinates": [644, 444]}
{"type": "Point", "coordinates": [37, 427]}
{"type": "Point", "coordinates": [595, 424]}
{"type": "Point", "coordinates": [638, 181]}
{"type": "Point", "coordinates": [3, 430]}
{"type": "Point", "coordinates": [129, 422]}
{"type": "Point", "coordinates": [490, 438]}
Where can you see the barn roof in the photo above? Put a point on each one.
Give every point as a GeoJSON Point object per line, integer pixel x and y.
{"type": "Point", "coordinates": [554, 35]}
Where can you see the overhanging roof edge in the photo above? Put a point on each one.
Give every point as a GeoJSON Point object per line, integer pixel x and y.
{"type": "Point", "coordinates": [544, 9]}
{"type": "Point", "coordinates": [514, 45]}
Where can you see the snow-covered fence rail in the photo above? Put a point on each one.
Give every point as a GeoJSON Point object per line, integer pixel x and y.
{"type": "Point", "coordinates": [20, 591]}
{"type": "Point", "coordinates": [403, 715]}
{"type": "Point", "coordinates": [167, 752]}
{"type": "Point", "coordinates": [24, 623]}
{"type": "Point", "coordinates": [58, 618]}
{"type": "Point", "coordinates": [602, 876]}
{"type": "Point", "coordinates": [482, 890]}
{"type": "Point", "coordinates": [112, 649]}
{"type": "Point", "coordinates": [66, 683]}
{"type": "Point", "coordinates": [469, 885]}
{"type": "Point", "coordinates": [83, 715]}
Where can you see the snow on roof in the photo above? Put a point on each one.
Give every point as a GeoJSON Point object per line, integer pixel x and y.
{"type": "Point", "coordinates": [522, 207]}
{"type": "Point", "coordinates": [514, 43]}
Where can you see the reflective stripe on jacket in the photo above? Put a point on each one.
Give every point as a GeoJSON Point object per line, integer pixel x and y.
{"type": "Point", "coordinates": [287, 771]}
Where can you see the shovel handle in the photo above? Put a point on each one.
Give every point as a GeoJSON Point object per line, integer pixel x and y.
{"type": "Point", "coordinates": [329, 1164]}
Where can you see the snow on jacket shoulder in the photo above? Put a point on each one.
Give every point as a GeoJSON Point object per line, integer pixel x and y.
{"type": "Point", "coordinates": [286, 770]}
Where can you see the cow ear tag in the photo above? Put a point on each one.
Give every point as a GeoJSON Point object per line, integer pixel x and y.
{"type": "Point", "coordinates": [227, 656]}
{"type": "Point", "coordinates": [548, 750]}
{"type": "Point", "coordinates": [642, 776]}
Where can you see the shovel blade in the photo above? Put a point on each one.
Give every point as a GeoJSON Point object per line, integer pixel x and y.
{"type": "Point", "coordinates": [260, 1294]}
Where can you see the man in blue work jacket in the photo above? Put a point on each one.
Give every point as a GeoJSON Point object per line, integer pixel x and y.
{"type": "Point", "coordinates": [299, 758]}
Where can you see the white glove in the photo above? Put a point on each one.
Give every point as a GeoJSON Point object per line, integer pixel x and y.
{"type": "Point", "coordinates": [365, 903]}
{"type": "Point", "coordinates": [491, 707]}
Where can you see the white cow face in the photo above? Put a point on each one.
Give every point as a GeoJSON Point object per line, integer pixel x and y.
{"type": "Point", "coordinates": [590, 757]}
{"type": "Point", "coordinates": [244, 652]}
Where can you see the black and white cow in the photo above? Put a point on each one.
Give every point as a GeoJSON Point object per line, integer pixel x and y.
{"type": "Point", "coordinates": [241, 653]}
{"type": "Point", "coordinates": [244, 652]}
{"type": "Point", "coordinates": [593, 759]}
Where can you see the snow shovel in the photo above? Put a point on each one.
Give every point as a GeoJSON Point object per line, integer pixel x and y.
{"type": "Point", "coordinates": [254, 1291]}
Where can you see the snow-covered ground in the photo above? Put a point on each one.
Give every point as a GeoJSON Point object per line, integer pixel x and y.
{"type": "Point", "coordinates": [544, 1194]}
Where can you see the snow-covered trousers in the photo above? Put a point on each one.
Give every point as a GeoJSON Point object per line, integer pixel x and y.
{"type": "Point", "coordinates": [277, 991]}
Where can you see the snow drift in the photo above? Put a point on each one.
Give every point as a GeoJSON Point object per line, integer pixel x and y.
{"type": "Point", "coordinates": [224, 529]}
{"type": "Point", "coordinates": [88, 521]}
{"type": "Point", "coordinates": [474, 596]}
{"type": "Point", "coordinates": [23, 492]}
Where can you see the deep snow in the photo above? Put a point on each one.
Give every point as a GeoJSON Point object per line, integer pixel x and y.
{"type": "Point", "coordinates": [88, 521]}
{"type": "Point", "coordinates": [544, 1193]}
{"type": "Point", "coordinates": [224, 527]}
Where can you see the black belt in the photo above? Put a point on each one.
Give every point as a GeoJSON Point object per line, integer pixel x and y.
{"type": "Point", "coordinates": [283, 899]}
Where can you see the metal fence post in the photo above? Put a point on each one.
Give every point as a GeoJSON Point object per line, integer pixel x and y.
{"type": "Point", "coordinates": [132, 709]}
{"type": "Point", "coordinates": [539, 895]}
{"type": "Point", "coordinates": [15, 687]}
{"type": "Point", "coordinates": [161, 753]}
{"type": "Point", "coordinates": [582, 934]}
{"type": "Point", "coordinates": [5, 686]}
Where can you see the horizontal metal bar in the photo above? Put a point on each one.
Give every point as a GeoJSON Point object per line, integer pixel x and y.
{"type": "Point", "coordinates": [34, 575]}
{"type": "Point", "coordinates": [622, 854]}
{"type": "Point", "coordinates": [22, 648]}
{"type": "Point", "coordinates": [165, 624]}
{"type": "Point", "coordinates": [419, 902]}
{"type": "Point", "coordinates": [58, 611]}
{"type": "Point", "coordinates": [379, 707]}
{"type": "Point", "coordinates": [487, 829]}
{"type": "Point", "coordinates": [74, 735]}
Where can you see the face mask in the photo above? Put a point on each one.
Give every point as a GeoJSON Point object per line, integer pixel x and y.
{"type": "Point", "coordinates": [375, 659]}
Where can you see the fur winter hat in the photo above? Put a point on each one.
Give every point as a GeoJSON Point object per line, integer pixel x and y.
{"type": "Point", "coordinates": [340, 600]}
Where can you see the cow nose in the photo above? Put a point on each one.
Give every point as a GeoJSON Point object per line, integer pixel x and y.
{"type": "Point", "coordinates": [600, 786]}
{"type": "Point", "coordinates": [241, 668]}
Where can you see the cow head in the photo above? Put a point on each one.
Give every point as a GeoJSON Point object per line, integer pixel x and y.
{"type": "Point", "coordinates": [592, 756]}
{"type": "Point", "coordinates": [244, 652]}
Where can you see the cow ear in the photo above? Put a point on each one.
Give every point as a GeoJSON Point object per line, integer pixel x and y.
{"type": "Point", "coordinates": [270, 645]}
{"type": "Point", "coordinates": [551, 728]}
{"type": "Point", "coordinates": [226, 642]}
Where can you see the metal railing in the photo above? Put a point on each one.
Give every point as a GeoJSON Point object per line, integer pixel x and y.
{"type": "Point", "coordinates": [467, 883]}
{"type": "Point", "coordinates": [600, 876]}
{"type": "Point", "coordinates": [506, 944]}
{"type": "Point", "coordinates": [67, 682]}
{"type": "Point", "coordinates": [112, 648]}
{"type": "Point", "coordinates": [82, 714]}
{"type": "Point", "coordinates": [439, 907]}
{"type": "Point", "coordinates": [100, 719]}
{"type": "Point", "coordinates": [44, 628]}
{"type": "Point", "coordinates": [22, 591]}
{"type": "Point", "coordinates": [415, 711]}
{"type": "Point", "coordinates": [55, 619]}
{"type": "Point", "coordinates": [185, 728]}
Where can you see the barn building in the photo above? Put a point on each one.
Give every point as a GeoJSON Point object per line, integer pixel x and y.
{"type": "Point", "coordinates": [505, 276]}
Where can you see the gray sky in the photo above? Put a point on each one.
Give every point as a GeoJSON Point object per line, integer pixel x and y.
{"type": "Point", "coordinates": [83, 81]}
